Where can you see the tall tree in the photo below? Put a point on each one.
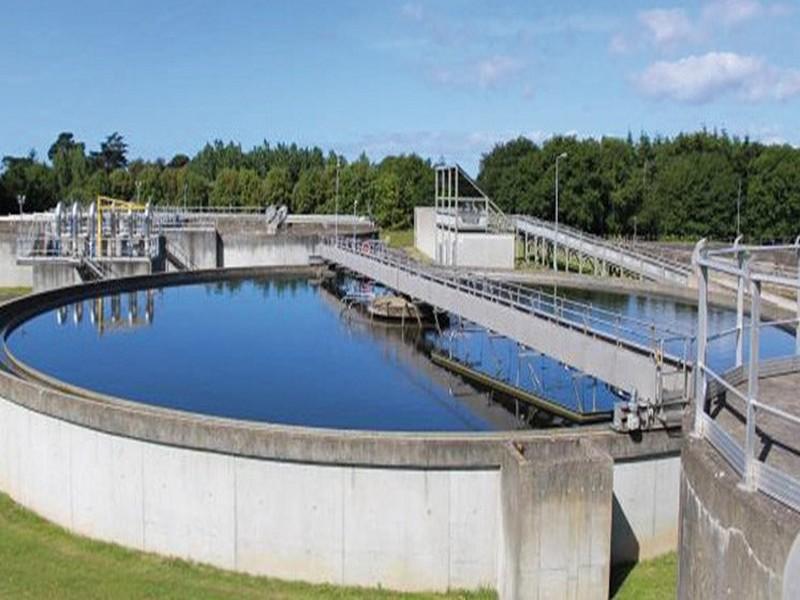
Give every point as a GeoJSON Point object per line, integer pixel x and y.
{"type": "Point", "coordinates": [112, 154]}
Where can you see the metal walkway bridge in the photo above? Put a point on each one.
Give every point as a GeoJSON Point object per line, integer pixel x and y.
{"type": "Point", "coordinates": [545, 237]}
{"type": "Point", "coordinates": [627, 353]}
{"type": "Point", "coordinates": [462, 208]}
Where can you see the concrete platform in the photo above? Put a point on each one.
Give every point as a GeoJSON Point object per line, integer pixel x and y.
{"type": "Point", "coordinates": [777, 442]}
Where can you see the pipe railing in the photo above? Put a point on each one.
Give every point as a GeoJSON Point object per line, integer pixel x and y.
{"type": "Point", "coordinates": [565, 231]}
{"type": "Point", "coordinates": [756, 474]}
{"type": "Point", "coordinates": [641, 335]}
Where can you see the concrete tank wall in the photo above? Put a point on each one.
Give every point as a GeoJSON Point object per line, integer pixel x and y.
{"type": "Point", "coordinates": [486, 250]}
{"type": "Point", "coordinates": [424, 230]}
{"type": "Point", "coordinates": [478, 250]}
{"type": "Point", "coordinates": [51, 275]}
{"type": "Point", "coordinates": [245, 249]}
{"type": "Point", "coordinates": [524, 512]}
{"type": "Point", "coordinates": [12, 274]}
{"type": "Point", "coordinates": [400, 528]}
{"type": "Point", "coordinates": [201, 246]}
{"type": "Point", "coordinates": [645, 508]}
{"type": "Point", "coordinates": [733, 543]}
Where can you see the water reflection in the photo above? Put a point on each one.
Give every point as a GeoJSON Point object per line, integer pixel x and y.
{"type": "Point", "coordinates": [106, 312]}
{"type": "Point", "coordinates": [267, 349]}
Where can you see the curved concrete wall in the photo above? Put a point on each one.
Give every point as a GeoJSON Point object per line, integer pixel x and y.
{"type": "Point", "coordinates": [523, 512]}
{"type": "Point", "coordinates": [401, 528]}
{"type": "Point", "coordinates": [733, 543]}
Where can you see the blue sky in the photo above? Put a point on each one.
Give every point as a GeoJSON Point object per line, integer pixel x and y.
{"type": "Point", "coordinates": [441, 78]}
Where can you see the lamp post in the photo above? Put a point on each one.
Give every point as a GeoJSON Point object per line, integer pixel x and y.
{"type": "Point", "coordinates": [21, 202]}
{"type": "Point", "coordinates": [555, 240]}
{"type": "Point", "coordinates": [355, 208]}
{"type": "Point", "coordinates": [336, 210]}
{"type": "Point", "coordinates": [739, 210]}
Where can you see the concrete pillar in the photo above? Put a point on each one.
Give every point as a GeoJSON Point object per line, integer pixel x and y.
{"type": "Point", "coordinates": [555, 521]}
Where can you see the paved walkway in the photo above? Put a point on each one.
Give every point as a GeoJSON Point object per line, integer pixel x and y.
{"type": "Point", "coordinates": [778, 441]}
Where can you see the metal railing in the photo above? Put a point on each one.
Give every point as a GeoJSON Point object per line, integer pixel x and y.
{"type": "Point", "coordinates": [179, 256]}
{"type": "Point", "coordinates": [737, 261]}
{"type": "Point", "coordinates": [644, 335]}
{"type": "Point", "coordinates": [654, 262]}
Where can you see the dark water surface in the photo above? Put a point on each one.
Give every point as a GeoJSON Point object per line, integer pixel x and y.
{"type": "Point", "coordinates": [282, 351]}
{"type": "Point", "coordinates": [773, 341]}
{"type": "Point", "coordinates": [265, 350]}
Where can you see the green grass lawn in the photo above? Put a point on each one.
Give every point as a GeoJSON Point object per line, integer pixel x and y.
{"type": "Point", "coordinates": [655, 579]}
{"type": "Point", "coordinates": [399, 238]}
{"type": "Point", "coordinates": [41, 560]}
{"type": "Point", "coordinates": [6, 293]}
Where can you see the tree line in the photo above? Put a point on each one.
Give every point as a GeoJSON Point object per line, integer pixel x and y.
{"type": "Point", "coordinates": [220, 174]}
{"type": "Point", "coordinates": [684, 187]}
{"type": "Point", "coordinates": [687, 187]}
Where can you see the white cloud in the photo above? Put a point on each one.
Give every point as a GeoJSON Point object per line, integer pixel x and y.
{"type": "Point", "coordinates": [703, 78]}
{"type": "Point", "coordinates": [486, 72]}
{"type": "Point", "coordinates": [732, 12]}
{"type": "Point", "coordinates": [667, 26]}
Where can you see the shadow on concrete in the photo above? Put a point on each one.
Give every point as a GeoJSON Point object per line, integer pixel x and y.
{"type": "Point", "coordinates": [619, 574]}
{"type": "Point", "coordinates": [624, 547]}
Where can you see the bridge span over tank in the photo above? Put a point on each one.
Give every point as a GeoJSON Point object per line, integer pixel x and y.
{"type": "Point", "coordinates": [625, 353]}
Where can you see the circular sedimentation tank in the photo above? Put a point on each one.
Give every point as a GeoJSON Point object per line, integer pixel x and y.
{"type": "Point", "coordinates": [239, 418]}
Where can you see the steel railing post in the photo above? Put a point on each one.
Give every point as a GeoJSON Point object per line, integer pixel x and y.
{"type": "Point", "coordinates": [797, 325]}
{"type": "Point", "coordinates": [741, 260]}
{"type": "Point", "coordinates": [749, 481]}
{"type": "Point", "coordinates": [702, 337]}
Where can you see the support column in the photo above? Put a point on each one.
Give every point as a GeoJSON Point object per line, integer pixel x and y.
{"type": "Point", "coordinates": [556, 501]}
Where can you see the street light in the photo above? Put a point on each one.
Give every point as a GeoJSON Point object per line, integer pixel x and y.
{"type": "Point", "coordinates": [739, 210]}
{"type": "Point", "coordinates": [355, 208]}
{"type": "Point", "coordinates": [336, 216]}
{"type": "Point", "coordinates": [555, 240]}
{"type": "Point", "coordinates": [21, 202]}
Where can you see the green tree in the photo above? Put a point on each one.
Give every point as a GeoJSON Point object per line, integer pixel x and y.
{"type": "Point", "coordinates": [31, 178]}
{"type": "Point", "coordinates": [112, 154]}
{"type": "Point", "coordinates": [278, 186]}
{"type": "Point", "coordinates": [771, 209]}
{"type": "Point", "coordinates": [310, 191]}
{"type": "Point", "coordinates": [225, 190]}
{"type": "Point", "coordinates": [121, 184]}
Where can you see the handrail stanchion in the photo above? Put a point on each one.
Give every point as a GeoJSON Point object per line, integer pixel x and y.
{"type": "Point", "coordinates": [749, 482]}
{"type": "Point", "coordinates": [797, 326]}
{"type": "Point", "coordinates": [741, 260]}
{"type": "Point", "coordinates": [701, 271]}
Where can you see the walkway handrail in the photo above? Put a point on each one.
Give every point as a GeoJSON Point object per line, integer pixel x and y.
{"type": "Point", "coordinates": [658, 262]}
{"type": "Point", "coordinates": [755, 473]}
{"type": "Point", "coordinates": [645, 336]}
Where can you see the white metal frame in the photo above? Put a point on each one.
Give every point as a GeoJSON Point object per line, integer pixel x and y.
{"type": "Point", "coordinates": [737, 261]}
